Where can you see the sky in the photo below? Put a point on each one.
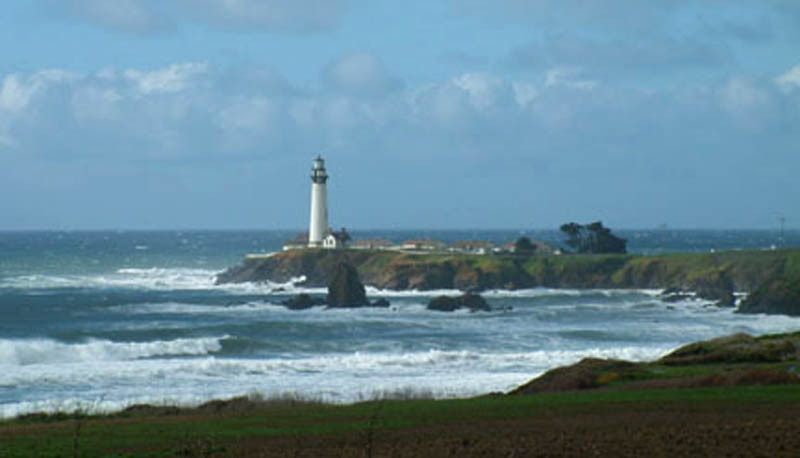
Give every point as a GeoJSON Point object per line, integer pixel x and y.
{"type": "Point", "coordinates": [518, 114]}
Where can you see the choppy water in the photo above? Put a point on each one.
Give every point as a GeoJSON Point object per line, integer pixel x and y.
{"type": "Point", "coordinates": [101, 320]}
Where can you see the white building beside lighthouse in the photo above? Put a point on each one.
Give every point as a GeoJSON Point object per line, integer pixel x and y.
{"type": "Point", "coordinates": [318, 223]}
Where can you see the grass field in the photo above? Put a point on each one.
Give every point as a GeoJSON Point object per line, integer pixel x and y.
{"type": "Point", "coordinates": [243, 427]}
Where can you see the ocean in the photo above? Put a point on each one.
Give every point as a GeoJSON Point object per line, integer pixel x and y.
{"type": "Point", "coordinates": [98, 321]}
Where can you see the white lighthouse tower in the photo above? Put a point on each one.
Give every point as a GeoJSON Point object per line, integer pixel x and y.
{"type": "Point", "coordinates": [318, 224]}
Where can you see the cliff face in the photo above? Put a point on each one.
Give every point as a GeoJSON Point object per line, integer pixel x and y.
{"type": "Point", "coordinates": [712, 275]}
{"type": "Point", "coordinates": [780, 293]}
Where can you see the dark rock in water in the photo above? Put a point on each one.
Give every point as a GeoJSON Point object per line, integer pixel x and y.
{"type": "Point", "coordinates": [345, 288]}
{"type": "Point", "coordinates": [382, 302]}
{"type": "Point", "coordinates": [303, 301]}
{"type": "Point", "coordinates": [676, 295]}
{"type": "Point", "coordinates": [473, 302]}
{"type": "Point", "coordinates": [716, 287]}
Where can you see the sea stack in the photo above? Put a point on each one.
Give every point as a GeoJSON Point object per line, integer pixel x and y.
{"type": "Point", "coordinates": [318, 224]}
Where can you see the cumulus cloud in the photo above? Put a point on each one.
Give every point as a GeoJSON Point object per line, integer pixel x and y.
{"type": "Point", "coordinates": [484, 90]}
{"type": "Point", "coordinates": [17, 91]}
{"type": "Point", "coordinates": [751, 103]}
{"type": "Point", "coordinates": [15, 94]}
{"type": "Point", "coordinates": [95, 103]}
{"type": "Point", "coordinates": [472, 103]}
{"type": "Point", "coordinates": [524, 93]}
{"type": "Point", "coordinates": [173, 78]}
{"type": "Point", "coordinates": [740, 95]}
{"type": "Point", "coordinates": [152, 16]}
{"type": "Point", "coordinates": [360, 74]}
{"type": "Point", "coordinates": [533, 134]}
{"type": "Point", "coordinates": [790, 80]}
{"type": "Point", "coordinates": [570, 77]}
{"type": "Point", "coordinates": [191, 110]}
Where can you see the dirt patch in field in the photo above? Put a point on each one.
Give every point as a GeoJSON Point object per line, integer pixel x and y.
{"type": "Point", "coordinates": [624, 430]}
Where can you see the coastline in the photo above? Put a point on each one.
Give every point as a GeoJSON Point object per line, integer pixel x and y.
{"type": "Point", "coordinates": [732, 394]}
{"type": "Point", "coordinates": [771, 277]}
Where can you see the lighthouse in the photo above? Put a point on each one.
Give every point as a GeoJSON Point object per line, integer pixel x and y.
{"type": "Point", "coordinates": [318, 224]}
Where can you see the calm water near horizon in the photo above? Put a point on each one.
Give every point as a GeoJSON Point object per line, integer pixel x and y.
{"type": "Point", "coordinates": [105, 319]}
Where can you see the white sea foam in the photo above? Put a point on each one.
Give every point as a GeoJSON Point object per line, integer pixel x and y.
{"type": "Point", "coordinates": [336, 378]}
{"type": "Point", "coordinates": [373, 291]}
{"type": "Point", "coordinates": [124, 375]}
{"type": "Point", "coordinates": [155, 278]}
{"type": "Point", "coordinates": [571, 292]}
{"type": "Point", "coordinates": [181, 308]}
{"type": "Point", "coordinates": [517, 293]}
{"type": "Point", "coordinates": [45, 351]}
{"type": "Point", "coordinates": [167, 279]}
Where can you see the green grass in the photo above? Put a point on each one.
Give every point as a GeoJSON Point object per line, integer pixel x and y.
{"type": "Point", "coordinates": [120, 435]}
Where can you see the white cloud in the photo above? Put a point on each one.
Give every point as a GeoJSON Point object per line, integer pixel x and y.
{"type": "Point", "coordinates": [484, 90]}
{"type": "Point", "coordinates": [16, 91]}
{"type": "Point", "coordinates": [173, 78]}
{"type": "Point", "coordinates": [217, 123]}
{"type": "Point", "coordinates": [569, 77]}
{"type": "Point", "coordinates": [790, 80]}
{"type": "Point", "coordinates": [360, 74]}
{"type": "Point", "coordinates": [740, 95]}
{"type": "Point", "coordinates": [15, 94]}
{"type": "Point", "coordinates": [187, 110]}
{"type": "Point", "coordinates": [95, 103]}
{"type": "Point", "coordinates": [244, 116]}
{"type": "Point", "coordinates": [446, 104]}
{"type": "Point", "coordinates": [524, 93]}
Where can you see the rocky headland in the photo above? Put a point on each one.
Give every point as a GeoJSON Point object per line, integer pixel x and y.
{"type": "Point", "coordinates": [771, 279]}
{"type": "Point", "coordinates": [733, 360]}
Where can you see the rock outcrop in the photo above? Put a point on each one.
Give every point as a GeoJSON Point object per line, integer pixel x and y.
{"type": "Point", "coordinates": [733, 360]}
{"type": "Point", "coordinates": [767, 275]}
{"type": "Point", "coordinates": [778, 295]}
{"type": "Point", "coordinates": [303, 301]}
{"type": "Point", "coordinates": [471, 301]}
{"type": "Point", "coordinates": [345, 288]}
{"type": "Point", "coordinates": [583, 375]}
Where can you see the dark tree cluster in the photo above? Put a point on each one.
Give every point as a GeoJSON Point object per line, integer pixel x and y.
{"type": "Point", "coordinates": [592, 238]}
{"type": "Point", "coordinates": [523, 245]}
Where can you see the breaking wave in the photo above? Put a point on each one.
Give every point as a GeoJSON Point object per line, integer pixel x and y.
{"type": "Point", "coordinates": [155, 279]}
{"type": "Point", "coordinates": [46, 351]}
{"type": "Point", "coordinates": [339, 378]}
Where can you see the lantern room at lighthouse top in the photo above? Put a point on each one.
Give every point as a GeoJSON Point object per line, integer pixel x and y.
{"type": "Point", "coordinates": [318, 173]}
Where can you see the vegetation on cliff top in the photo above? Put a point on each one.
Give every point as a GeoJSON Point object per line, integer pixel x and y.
{"type": "Point", "coordinates": [734, 360]}
{"type": "Point", "coordinates": [592, 238]}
